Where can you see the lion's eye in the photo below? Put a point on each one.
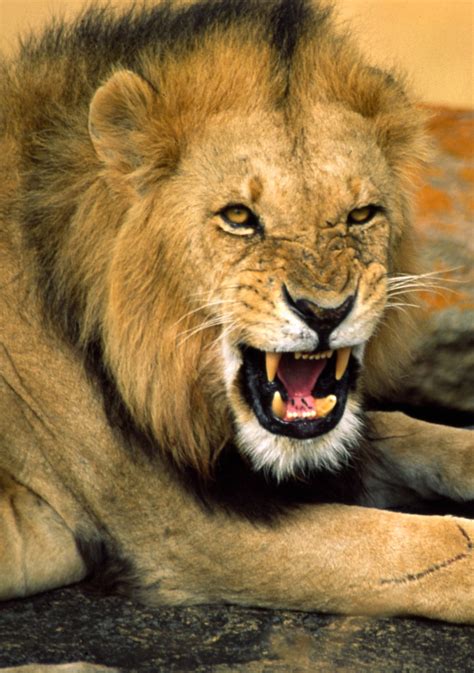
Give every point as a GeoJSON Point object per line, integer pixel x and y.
{"type": "Point", "coordinates": [238, 219]}
{"type": "Point", "coordinates": [237, 215]}
{"type": "Point", "coordinates": [362, 215]}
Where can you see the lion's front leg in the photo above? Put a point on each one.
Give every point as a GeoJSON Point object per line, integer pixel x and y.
{"type": "Point", "coordinates": [414, 459]}
{"type": "Point", "coordinates": [37, 549]}
{"type": "Point", "coordinates": [334, 558]}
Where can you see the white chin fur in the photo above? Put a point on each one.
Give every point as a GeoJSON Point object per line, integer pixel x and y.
{"type": "Point", "coordinates": [285, 457]}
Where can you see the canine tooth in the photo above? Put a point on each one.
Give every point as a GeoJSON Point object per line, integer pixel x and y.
{"type": "Point", "coordinates": [325, 405]}
{"type": "Point", "coordinates": [278, 406]}
{"type": "Point", "coordinates": [272, 360]}
{"type": "Point", "coordinates": [343, 355]}
{"type": "Point", "coordinates": [298, 355]}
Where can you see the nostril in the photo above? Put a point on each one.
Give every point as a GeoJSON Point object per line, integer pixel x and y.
{"type": "Point", "coordinates": [298, 306]}
{"type": "Point", "coordinates": [321, 320]}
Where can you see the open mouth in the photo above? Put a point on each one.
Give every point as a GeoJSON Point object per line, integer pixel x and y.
{"type": "Point", "coordinates": [298, 394]}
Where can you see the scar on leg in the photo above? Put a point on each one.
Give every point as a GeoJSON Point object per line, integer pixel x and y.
{"type": "Point", "coordinates": [412, 577]}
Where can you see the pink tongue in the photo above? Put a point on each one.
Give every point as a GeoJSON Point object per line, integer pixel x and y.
{"type": "Point", "coordinates": [299, 378]}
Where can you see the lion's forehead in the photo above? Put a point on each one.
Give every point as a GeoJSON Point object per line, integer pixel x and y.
{"type": "Point", "coordinates": [312, 165]}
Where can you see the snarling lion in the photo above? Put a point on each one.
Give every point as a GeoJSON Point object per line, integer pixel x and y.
{"type": "Point", "coordinates": [205, 216]}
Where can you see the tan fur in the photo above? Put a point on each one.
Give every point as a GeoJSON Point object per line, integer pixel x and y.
{"type": "Point", "coordinates": [111, 238]}
{"type": "Point", "coordinates": [140, 132]}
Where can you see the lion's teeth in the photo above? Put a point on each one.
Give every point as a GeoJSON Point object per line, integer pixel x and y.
{"type": "Point", "coordinates": [325, 405]}
{"type": "Point", "coordinates": [272, 360]}
{"type": "Point", "coordinates": [278, 406]}
{"type": "Point", "coordinates": [313, 356]}
{"type": "Point", "coordinates": [343, 355]}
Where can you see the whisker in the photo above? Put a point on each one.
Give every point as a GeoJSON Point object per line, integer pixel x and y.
{"type": "Point", "coordinates": [415, 286]}
{"type": "Point", "coordinates": [216, 320]}
{"type": "Point", "coordinates": [228, 327]}
{"type": "Point", "coordinates": [424, 281]}
{"type": "Point", "coordinates": [217, 302]}
{"type": "Point", "coordinates": [400, 303]}
{"type": "Point", "coordinates": [402, 307]}
{"type": "Point", "coordinates": [437, 291]}
{"type": "Point", "coordinates": [428, 274]}
{"type": "Point", "coordinates": [420, 286]}
{"type": "Point", "coordinates": [187, 334]}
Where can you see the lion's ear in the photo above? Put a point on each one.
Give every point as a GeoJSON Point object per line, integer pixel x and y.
{"type": "Point", "coordinates": [120, 117]}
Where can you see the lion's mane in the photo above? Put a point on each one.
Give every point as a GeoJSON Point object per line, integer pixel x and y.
{"type": "Point", "coordinates": [121, 290]}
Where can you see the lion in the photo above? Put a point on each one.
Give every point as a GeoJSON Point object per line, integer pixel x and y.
{"type": "Point", "coordinates": [205, 218]}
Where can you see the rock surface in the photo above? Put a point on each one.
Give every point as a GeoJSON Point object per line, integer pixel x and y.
{"type": "Point", "coordinates": [68, 625]}
{"type": "Point", "coordinates": [442, 374]}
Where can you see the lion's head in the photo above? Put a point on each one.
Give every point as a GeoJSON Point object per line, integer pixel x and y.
{"type": "Point", "coordinates": [247, 201]}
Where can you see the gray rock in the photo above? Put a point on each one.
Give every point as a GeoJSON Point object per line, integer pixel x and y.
{"type": "Point", "coordinates": [442, 374]}
{"type": "Point", "coordinates": [72, 625]}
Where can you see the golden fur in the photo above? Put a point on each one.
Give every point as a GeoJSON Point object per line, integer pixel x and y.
{"type": "Point", "coordinates": [140, 127]}
{"type": "Point", "coordinates": [115, 169]}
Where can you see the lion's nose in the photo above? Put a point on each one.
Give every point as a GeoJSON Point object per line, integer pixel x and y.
{"type": "Point", "coordinates": [322, 320]}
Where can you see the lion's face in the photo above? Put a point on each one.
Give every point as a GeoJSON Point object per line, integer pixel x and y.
{"type": "Point", "coordinates": [288, 236]}
{"type": "Point", "coordinates": [248, 278]}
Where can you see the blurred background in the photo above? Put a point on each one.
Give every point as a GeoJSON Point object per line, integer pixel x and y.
{"type": "Point", "coordinates": [432, 40]}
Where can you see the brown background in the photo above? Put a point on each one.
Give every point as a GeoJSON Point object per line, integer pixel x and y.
{"type": "Point", "coordinates": [431, 39]}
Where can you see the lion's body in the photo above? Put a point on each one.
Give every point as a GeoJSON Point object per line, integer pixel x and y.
{"type": "Point", "coordinates": [187, 195]}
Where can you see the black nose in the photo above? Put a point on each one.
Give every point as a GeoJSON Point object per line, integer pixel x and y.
{"type": "Point", "coordinates": [322, 320]}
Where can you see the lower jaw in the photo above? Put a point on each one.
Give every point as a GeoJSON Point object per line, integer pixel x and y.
{"type": "Point", "coordinates": [302, 428]}
{"type": "Point", "coordinates": [284, 458]}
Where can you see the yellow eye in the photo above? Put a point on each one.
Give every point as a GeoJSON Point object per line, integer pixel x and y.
{"type": "Point", "coordinates": [362, 215]}
{"type": "Point", "coordinates": [239, 216]}
{"type": "Point", "coordinates": [239, 220]}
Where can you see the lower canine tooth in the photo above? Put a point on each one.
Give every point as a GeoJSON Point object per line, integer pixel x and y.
{"type": "Point", "coordinates": [272, 360]}
{"type": "Point", "coordinates": [278, 406]}
{"type": "Point", "coordinates": [325, 405]}
{"type": "Point", "coordinates": [343, 355]}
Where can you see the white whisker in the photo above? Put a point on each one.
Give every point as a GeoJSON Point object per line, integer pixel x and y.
{"type": "Point", "coordinates": [400, 304]}
{"type": "Point", "coordinates": [402, 307]}
{"type": "Point", "coordinates": [437, 291]}
{"type": "Point", "coordinates": [436, 279]}
{"type": "Point", "coordinates": [189, 333]}
{"type": "Point", "coordinates": [217, 302]}
{"type": "Point", "coordinates": [227, 328]}
{"type": "Point", "coordinates": [428, 274]}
